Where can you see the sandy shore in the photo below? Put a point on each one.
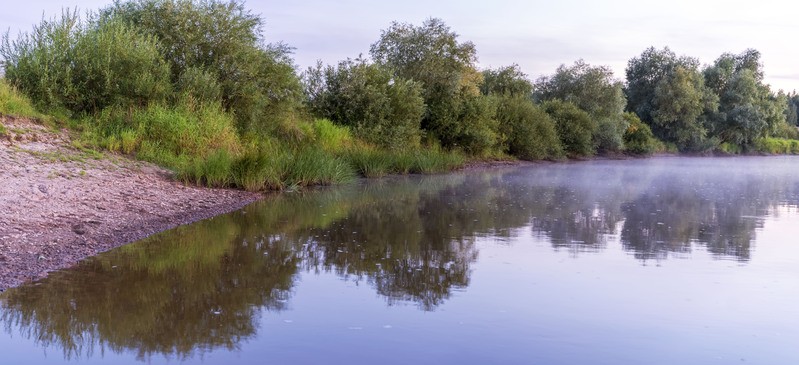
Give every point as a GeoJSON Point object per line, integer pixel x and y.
{"type": "Point", "coordinates": [59, 205]}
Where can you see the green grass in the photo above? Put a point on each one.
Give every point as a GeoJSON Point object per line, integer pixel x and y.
{"type": "Point", "coordinates": [778, 146]}
{"type": "Point", "coordinates": [313, 166]}
{"type": "Point", "coordinates": [13, 103]}
{"type": "Point", "coordinates": [370, 163]}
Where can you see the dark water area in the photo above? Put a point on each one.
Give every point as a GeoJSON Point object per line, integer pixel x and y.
{"type": "Point", "coordinates": [657, 261]}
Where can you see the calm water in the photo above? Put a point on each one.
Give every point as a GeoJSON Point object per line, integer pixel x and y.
{"type": "Point", "coordinates": [657, 261]}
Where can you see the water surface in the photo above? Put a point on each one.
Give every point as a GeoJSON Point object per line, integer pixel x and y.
{"type": "Point", "coordinates": [656, 261]}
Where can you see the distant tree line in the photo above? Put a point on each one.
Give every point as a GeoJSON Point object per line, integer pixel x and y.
{"type": "Point", "coordinates": [667, 101]}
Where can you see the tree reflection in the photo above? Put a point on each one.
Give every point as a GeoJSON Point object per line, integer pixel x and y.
{"type": "Point", "coordinates": [676, 215]}
{"type": "Point", "coordinates": [196, 288]}
{"type": "Point", "coordinates": [412, 239]}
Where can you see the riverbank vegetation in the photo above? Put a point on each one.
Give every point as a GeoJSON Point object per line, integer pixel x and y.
{"type": "Point", "coordinates": [195, 87]}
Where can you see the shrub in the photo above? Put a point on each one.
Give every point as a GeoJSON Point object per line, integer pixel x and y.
{"type": "Point", "coordinates": [530, 132]}
{"type": "Point", "coordinates": [574, 126]}
{"type": "Point", "coordinates": [199, 85]}
{"type": "Point", "coordinates": [638, 138]}
{"type": "Point", "coordinates": [778, 146]}
{"type": "Point", "coordinates": [379, 107]}
{"type": "Point", "coordinates": [258, 83]}
{"type": "Point", "coordinates": [86, 67]}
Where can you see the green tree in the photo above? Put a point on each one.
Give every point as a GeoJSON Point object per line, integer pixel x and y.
{"type": "Point", "coordinates": [593, 89]}
{"type": "Point", "coordinates": [668, 93]}
{"type": "Point", "coordinates": [224, 39]}
{"type": "Point", "coordinates": [530, 132]}
{"type": "Point", "coordinates": [638, 138]}
{"type": "Point", "coordinates": [457, 115]}
{"type": "Point", "coordinates": [574, 126]}
{"type": "Point", "coordinates": [366, 97]}
{"type": "Point", "coordinates": [680, 100]}
{"type": "Point", "coordinates": [84, 67]}
{"type": "Point", "coordinates": [509, 80]}
{"type": "Point", "coordinates": [748, 109]}
{"type": "Point", "coordinates": [792, 111]}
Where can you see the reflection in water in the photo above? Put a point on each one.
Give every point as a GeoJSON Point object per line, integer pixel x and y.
{"type": "Point", "coordinates": [202, 287]}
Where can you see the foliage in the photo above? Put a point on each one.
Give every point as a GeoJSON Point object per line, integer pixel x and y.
{"type": "Point", "coordinates": [777, 146]}
{"type": "Point", "coordinates": [638, 138]}
{"type": "Point", "coordinates": [380, 108]}
{"type": "Point", "coordinates": [509, 80]}
{"type": "Point", "coordinates": [680, 101]}
{"type": "Point", "coordinates": [331, 137]}
{"type": "Point", "coordinates": [792, 111]}
{"type": "Point", "coordinates": [167, 135]}
{"type": "Point", "coordinates": [668, 93]}
{"type": "Point", "coordinates": [594, 90]}
{"type": "Point", "coordinates": [15, 104]}
{"type": "Point", "coordinates": [574, 127]}
{"type": "Point", "coordinates": [86, 67]}
{"type": "Point", "coordinates": [530, 132]}
{"type": "Point", "coordinates": [748, 110]}
{"type": "Point", "coordinates": [220, 40]}
{"type": "Point", "coordinates": [431, 54]}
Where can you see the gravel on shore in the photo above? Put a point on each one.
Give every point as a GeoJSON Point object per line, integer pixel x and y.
{"type": "Point", "coordinates": [59, 204]}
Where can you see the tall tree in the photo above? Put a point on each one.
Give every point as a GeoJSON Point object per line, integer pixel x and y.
{"type": "Point", "coordinates": [668, 93]}
{"type": "Point", "coordinates": [457, 115]}
{"type": "Point", "coordinates": [508, 80]}
{"type": "Point", "coordinates": [748, 109]}
{"type": "Point", "coordinates": [593, 89]}
{"type": "Point", "coordinates": [792, 111]}
{"type": "Point", "coordinates": [379, 107]}
{"type": "Point", "coordinates": [220, 40]}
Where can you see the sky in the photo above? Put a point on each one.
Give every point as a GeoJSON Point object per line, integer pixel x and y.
{"type": "Point", "coordinates": [538, 35]}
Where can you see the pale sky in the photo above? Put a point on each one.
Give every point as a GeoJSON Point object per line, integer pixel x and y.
{"type": "Point", "coordinates": [539, 35]}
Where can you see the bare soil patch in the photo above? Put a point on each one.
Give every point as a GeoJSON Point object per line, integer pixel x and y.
{"type": "Point", "coordinates": [59, 204]}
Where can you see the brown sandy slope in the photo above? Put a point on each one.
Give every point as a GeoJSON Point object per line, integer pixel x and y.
{"type": "Point", "coordinates": [59, 205]}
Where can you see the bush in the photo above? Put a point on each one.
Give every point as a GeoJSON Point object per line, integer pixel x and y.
{"type": "Point", "coordinates": [777, 146]}
{"type": "Point", "coordinates": [199, 85]}
{"type": "Point", "coordinates": [638, 138]}
{"type": "Point", "coordinates": [530, 132]}
{"type": "Point", "coordinates": [86, 67]}
{"type": "Point", "coordinates": [574, 126]}
{"type": "Point", "coordinates": [258, 84]}
{"type": "Point", "coordinates": [380, 108]}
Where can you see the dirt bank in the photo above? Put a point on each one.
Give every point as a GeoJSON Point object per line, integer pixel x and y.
{"type": "Point", "coordinates": [59, 204]}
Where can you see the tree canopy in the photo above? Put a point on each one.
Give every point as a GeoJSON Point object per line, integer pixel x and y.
{"type": "Point", "coordinates": [431, 54]}
{"type": "Point", "coordinates": [594, 90]}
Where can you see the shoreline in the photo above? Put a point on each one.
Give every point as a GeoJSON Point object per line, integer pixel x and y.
{"type": "Point", "coordinates": [60, 205]}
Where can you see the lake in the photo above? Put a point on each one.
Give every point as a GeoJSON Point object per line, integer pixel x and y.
{"type": "Point", "coordinates": [669, 260]}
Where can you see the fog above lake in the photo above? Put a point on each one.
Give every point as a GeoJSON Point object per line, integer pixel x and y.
{"type": "Point", "coordinates": [586, 254]}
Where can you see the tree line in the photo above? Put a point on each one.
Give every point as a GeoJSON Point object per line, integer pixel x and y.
{"type": "Point", "coordinates": [193, 85]}
{"type": "Point", "coordinates": [666, 101]}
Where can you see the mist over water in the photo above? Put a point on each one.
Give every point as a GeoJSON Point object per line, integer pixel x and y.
{"type": "Point", "coordinates": [658, 261]}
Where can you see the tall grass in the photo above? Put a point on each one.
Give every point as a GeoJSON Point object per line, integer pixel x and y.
{"type": "Point", "coordinates": [778, 146]}
{"type": "Point", "coordinates": [13, 103]}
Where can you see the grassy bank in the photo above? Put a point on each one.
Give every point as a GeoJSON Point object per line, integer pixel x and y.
{"type": "Point", "coordinates": [202, 145]}
{"type": "Point", "coordinates": [145, 79]}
